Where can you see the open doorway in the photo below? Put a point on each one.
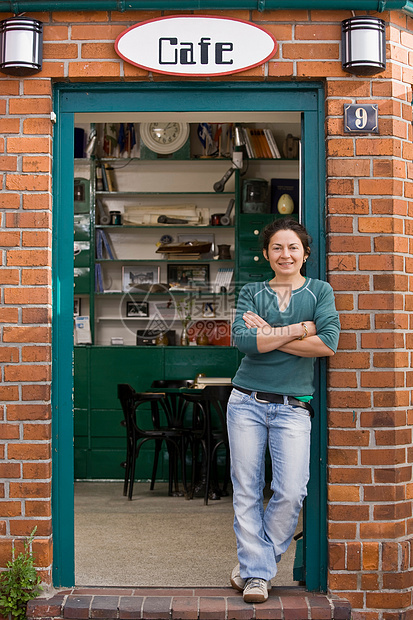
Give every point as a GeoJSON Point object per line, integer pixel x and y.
{"type": "Point", "coordinates": [93, 371]}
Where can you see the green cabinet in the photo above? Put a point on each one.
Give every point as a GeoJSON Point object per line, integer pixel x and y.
{"type": "Point", "coordinates": [99, 440]}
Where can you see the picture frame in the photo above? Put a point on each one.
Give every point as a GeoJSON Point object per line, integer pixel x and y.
{"type": "Point", "coordinates": [135, 276]}
{"type": "Point", "coordinates": [195, 236]}
{"type": "Point", "coordinates": [76, 306]}
{"type": "Point", "coordinates": [209, 310]}
{"type": "Point", "coordinates": [137, 309]}
{"type": "Point", "coordinates": [188, 277]}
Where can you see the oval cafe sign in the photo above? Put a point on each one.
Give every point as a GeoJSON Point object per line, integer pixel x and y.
{"type": "Point", "coordinates": [195, 45]}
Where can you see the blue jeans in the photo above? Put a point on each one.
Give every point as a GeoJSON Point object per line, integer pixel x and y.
{"type": "Point", "coordinates": [264, 535]}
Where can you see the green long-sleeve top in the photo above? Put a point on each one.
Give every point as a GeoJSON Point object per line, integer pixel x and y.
{"type": "Point", "coordinates": [276, 371]}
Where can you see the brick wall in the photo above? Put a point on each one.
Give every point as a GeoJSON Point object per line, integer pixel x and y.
{"type": "Point", "coordinates": [369, 265]}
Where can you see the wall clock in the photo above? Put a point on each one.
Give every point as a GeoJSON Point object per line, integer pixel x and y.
{"type": "Point", "coordinates": [164, 138]}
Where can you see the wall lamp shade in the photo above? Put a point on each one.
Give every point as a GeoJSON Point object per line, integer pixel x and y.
{"type": "Point", "coordinates": [21, 42]}
{"type": "Point", "coordinates": [363, 45]}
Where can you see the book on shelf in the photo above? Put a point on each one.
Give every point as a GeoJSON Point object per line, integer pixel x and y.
{"type": "Point", "coordinates": [103, 245]}
{"type": "Point", "coordinates": [107, 178]}
{"type": "Point", "coordinates": [272, 144]}
{"type": "Point", "coordinates": [98, 279]}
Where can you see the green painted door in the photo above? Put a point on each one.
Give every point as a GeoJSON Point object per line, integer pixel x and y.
{"type": "Point", "coordinates": [69, 99]}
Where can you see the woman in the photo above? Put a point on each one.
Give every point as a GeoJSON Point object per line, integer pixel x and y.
{"type": "Point", "coordinates": [281, 325]}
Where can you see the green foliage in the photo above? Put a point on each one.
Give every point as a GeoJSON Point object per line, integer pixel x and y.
{"type": "Point", "coordinates": [19, 583]}
{"type": "Point", "coordinates": [184, 308]}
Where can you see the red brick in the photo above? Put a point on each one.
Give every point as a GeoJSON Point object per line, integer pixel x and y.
{"type": "Point", "coordinates": [58, 51]}
{"type": "Point", "coordinates": [36, 392]}
{"type": "Point", "coordinates": [342, 457]}
{"type": "Point", "coordinates": [101, 70]}
{"type": "Point", "coordinates": [36, 164]}
{"type": "Point", "coordinates": [36, 315]}
{"type": "Point", "coordinates": [36, 432]}
{"type": "Point", "coordinates": [99, 50]}
{"type": "Point", "coordinates": [354, 321]}
{"type": "Point", "coordinates": [399, 398]}
{"type": "Point", "coordinates": [342, 379]}
{"type": "Point", "coordinates": [9, 470]}
{"type": "Point", "coordinates": [316, 51]}
{"type": "Point", "coordinates": [342, 531]}
{"type": "Point", "coordinates": [38, 87]}
{"type": "Point", "coordinates": [9, 276]}
{"type": "Point", "coordinates": [27, 373]}
{"type": "Point", "coordinates": [348, 437]}
{"type": "Point", "coordinates": [9, 125]}
{"type": "Point", "coordinates": [28, 220]}
{"type": "Point", "coordinates": [382, 379]}
{"type": "Point", "coordinates": [349, 475]}
{"type": "Point", "coordinates": [28, 412]}
{"type": "Point", "coordinates": [393, 437]}
{"type": "Point", "coordinates": [28, 145]}
{"type": "Point", "coordinates": [37, 471]}
{"type": "Point", "coordinates": [9, 315]}
{"type": "Point", "coordinates": [388, 600]}
{"type": "Point", "coordinates": [377, 301]}
{"type": "Point", "coordinates": [391, 359]}
{"type": "Point", "coordinates": [27, 296]}
{"type": "Point", "coordinates": [28, 257]}
{"type": "Point", "coordinates": [346, 282]}
{"type": "Point", "coordinates": [51, 32]}
{"type": "Point", "coordinates": [382, 340]}
{"type": "Point", "coordinates": [24, 527]}
{"type": "Point", "coordinates": [28, 451]}
{"type": "Point", "coordinates": [8, 164]}
{"type": "Point", "coordinates": [27, 334]}
{"type": "Point", "coordinates": [9, 431]}
{"type": "Point", "coordinates": [28, 182]}
{"type": "Point", "coordinates": [383, 456]}
{"type": "Point", "coordinates": [36, 353]}
{"type": "Point", "coordinates": [37, 509]}
{"type": "Point", "coordinates": [10, 509]}
{"type": "Point", "coordinates": [347, 243]}
{"type": "Point", "coordinates": [9, 87]}
{"type": "Point", "coordinates": [383, 418]}
{"type": "Point", "coordinates": [340, 147]}
{"type": "Point", "coordinates": [36, 277]}
{"type": "Point", "coordinates": [9, 393]}
{"type": "Point", "coordinates": [9, 238]}
{"type": "Point", "coordinates": [37, 126]}
{"type": "Point", "coordinates": [370, 556]}
{"type": "Point", "coordinates": [29, 105]}
{"type": "Point", "coordinates": [9, 201]}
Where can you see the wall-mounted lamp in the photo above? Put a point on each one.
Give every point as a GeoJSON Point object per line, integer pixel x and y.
{"type": "Point", "coordinates": [21, 40]}
{"type": "Point", "coordinates": [363, 41]}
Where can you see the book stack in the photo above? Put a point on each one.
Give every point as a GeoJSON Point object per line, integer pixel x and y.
{"type": "Point", "coordinates": [260, 144]}
{"type": "Point", "coordinates": [223, 279]}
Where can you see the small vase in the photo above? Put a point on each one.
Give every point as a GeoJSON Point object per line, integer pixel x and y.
{"type": "Point", "coordinates": [184, 337]}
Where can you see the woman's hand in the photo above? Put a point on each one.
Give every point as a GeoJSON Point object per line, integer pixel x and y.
{"type": "Point", "coordinates": [253, 320]}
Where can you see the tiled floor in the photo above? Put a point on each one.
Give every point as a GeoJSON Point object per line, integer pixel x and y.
{"type": "Point", "coordinates": [186, 604]}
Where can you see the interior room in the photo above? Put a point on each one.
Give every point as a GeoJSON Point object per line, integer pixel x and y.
{"type": "Point", "coordinates": [167, 214]}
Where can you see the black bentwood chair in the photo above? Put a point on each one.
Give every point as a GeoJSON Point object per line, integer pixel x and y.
{"type": "Point", "coordinates": [210, 433]}
{"type": "Point", "coordinates": [136, 436]}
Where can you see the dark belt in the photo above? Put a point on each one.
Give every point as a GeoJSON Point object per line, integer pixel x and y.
{"type": "Point", "coordinates": [277, 398]}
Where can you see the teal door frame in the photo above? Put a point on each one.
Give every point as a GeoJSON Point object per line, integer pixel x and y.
{"type": "Point", "coordinates": [69, 99]}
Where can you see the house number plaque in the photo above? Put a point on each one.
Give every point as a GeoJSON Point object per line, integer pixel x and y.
{"type": "Point", "coordinates": [361, 118]}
